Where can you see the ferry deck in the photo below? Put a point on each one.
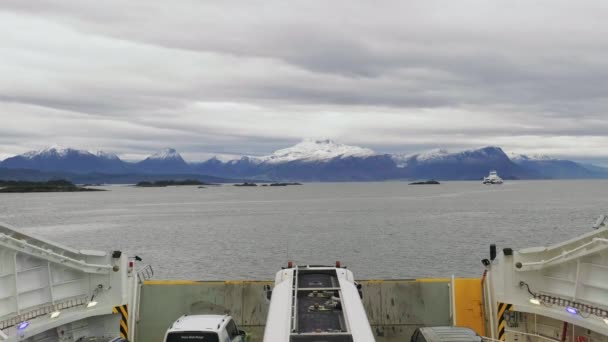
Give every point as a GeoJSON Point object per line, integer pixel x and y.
{"type": "Point", "coordinates": [50, 292]}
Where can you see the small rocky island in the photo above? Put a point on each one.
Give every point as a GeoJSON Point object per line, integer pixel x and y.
{"type": "Point", "coordinates": [246, 184]}
{"type": "Point", "coordinates": [48, 186]}
{"type": "Point", "coordinates": [165, 183]}
{"type": "Point", "coordinates": [284, 184]}
{"type": "Point", "coordinates": [428, 182]}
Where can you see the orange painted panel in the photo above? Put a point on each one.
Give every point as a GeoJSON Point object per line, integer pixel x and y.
{"type": "Point", "coordinates": [468, 298]}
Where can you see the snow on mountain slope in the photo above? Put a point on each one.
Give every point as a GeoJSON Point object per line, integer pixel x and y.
{"type": "Point", "coordinates": [443, 155]}
{"type": "Point", "coordinates": [166, 154]}
{"type": "Point", "coordinates": [61, 159]}
{"type": "Point", "coordinates": [107, 155]}
{"type": "Point", "coordinates": [529, 157]}
{"type": "Point", "coordinates": [315, 151]}
{"type": "Point", "coordinates": [54, 151]}
{"type": "Point", "coordinates": [432, 154]}
{"type": "Point", "coordinates": [223, 158]}
{"type": "Point", "coordinates": [167, 161]}
{"type": "Point", "coordinates": [403, 159]}
{"type": "Point", "coordinates": [59, 152]}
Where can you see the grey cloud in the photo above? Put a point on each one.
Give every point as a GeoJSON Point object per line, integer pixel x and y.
{"type": "Point", "coordinates": [535, 69]}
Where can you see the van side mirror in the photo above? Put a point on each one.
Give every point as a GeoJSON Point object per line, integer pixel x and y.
{"type": "Point", "coordinates": [242, 333]}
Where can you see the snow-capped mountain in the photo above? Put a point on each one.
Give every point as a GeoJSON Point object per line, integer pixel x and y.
{"type": "Point", "coordinates": [469, 164]}
{"type": "Point", "coordinates": [166, 154]}
{"type": "Point", "coordinates": [402, 159]}
{"type": "Point", "coordinates": [167, 160]}
{"type": "Point", "coordinates": [106, 155]}
{"type": "Point", "coordinates": [553, 168]}
{"type": "Point", "coordinates": [54, 151]}
{"type": "Point", "coordinates": [57, 158]}
{"type": "Point", "coordinates": [431, 155]}
{"type": "Point", "coordinates": [315, 151]}
{"type": "Point", "coordinates": [309, 160]}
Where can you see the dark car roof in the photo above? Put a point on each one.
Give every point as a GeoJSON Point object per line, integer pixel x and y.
{"type": "Point", "coordinates": [450, 334]}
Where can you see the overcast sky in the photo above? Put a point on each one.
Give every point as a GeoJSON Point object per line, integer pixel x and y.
{"type": "Point", "coordinates": [248, 77]}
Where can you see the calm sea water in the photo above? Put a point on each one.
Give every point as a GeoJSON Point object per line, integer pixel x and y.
{"type": "Point", "coordinates": [379, 230]}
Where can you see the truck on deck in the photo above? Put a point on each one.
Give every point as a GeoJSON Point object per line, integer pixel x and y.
{"type": "Point", "coordinates": [316, 303]}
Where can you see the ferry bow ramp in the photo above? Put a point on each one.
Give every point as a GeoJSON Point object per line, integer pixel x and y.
{"type": "Point", "coordinates": [50, 292]}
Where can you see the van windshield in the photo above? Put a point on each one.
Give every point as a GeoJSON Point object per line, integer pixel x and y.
{"type": "Point", "coordinates": [193, 336]}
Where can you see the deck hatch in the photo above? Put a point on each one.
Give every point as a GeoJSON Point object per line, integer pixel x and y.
{"type": "Point", "coordinates": [319, 316]}
{"type": "Point", "coordinates": [322, 338]}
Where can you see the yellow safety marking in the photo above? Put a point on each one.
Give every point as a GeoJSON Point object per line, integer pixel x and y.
{"type": "Point", "coordinates": [434, 280]}
{"type": "Point", "coordinates": [170, 282]}
{"type": "Point", "coordinates": [419, 280]}
{"type": "Point", "coordinates": [468, 300]}
{"type": "Point", "coordinates": [206, 282]}
{"type": "Point", "coordinates": [124, 320]}
{"type": "Point", "coordinates": [243, 282]}
{"type": "Point", "coordinates": [123, 311]}
{"type": "Point", "coordinates": [502, 308]}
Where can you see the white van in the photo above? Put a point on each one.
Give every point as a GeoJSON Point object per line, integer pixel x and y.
{"type": "Point", "coordinates": [204, 328]}
{"type": "Point", "coordinates": [445, 334]}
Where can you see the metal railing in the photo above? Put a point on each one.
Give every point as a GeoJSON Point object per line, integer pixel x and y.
{"type": "Point", "coordinates": [294, 301]}
{"type": "Point", "coordinates": [145, 273]}
{"type": "Point", "coordinates": [43, 310]}
{"type": "Point", "coordinates": [564, 254]}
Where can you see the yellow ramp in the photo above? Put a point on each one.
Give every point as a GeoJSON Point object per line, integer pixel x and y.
{"type": "Point", "coordinates": [468, 298]}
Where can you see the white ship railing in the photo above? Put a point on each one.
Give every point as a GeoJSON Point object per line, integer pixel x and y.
{"type": "Point", "coordinates": [52, 256]}
{"type": "Point", "coordinates": [566, 255]}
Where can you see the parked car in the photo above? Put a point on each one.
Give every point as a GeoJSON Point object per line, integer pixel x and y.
{"type": "Point", "coordinates": [204, 328]}
{"type": "Point", "coordinates": [445, 334]}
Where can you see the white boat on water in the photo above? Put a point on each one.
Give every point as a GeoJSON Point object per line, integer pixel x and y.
{"type": "Point", "coordinates": [492, 178]}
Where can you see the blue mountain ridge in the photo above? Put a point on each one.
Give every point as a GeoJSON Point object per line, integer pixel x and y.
{"type": "Point", "coordinates": [323, 161]}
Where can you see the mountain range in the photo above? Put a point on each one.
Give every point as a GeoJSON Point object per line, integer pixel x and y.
{"type": "Point", "coordinates": [310, 160]}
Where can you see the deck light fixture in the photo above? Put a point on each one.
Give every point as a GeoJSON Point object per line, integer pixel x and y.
{"type": "Point", "coordinates": [55, 314]}
{"type": "Point", "coordinates": [91, 304]}
{"type": "Point", "coordinates": [535, 301]}
{"type": "Point", "coordinates": [572, 307]}
{"type": "Point", "coordinates": [23, 325]}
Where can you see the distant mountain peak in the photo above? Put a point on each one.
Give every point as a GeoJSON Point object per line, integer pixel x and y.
{"type": "Point", "coordinates": [54, 151]}
{"type": "Point", "coordinates": [402, 160]}
{"type": "Point", "coordinates": [432, 154]}
{"type": "Point", "coordinates": [167, 160]}
{"type": "Point", "coordinates": [223, 158]}
{"type": "Point", "coordinates": [442, 154]}
{"type": "Point", "coordinates": [166, 154]}
{"type": "Point", "coordinates": [316, 150]}
{"type": "Point", "coordinates": [65, 159]}
{"type": "Point", "coordinates": [491, 149]}
{"type": "Point", "coordinates": [107, 155]}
